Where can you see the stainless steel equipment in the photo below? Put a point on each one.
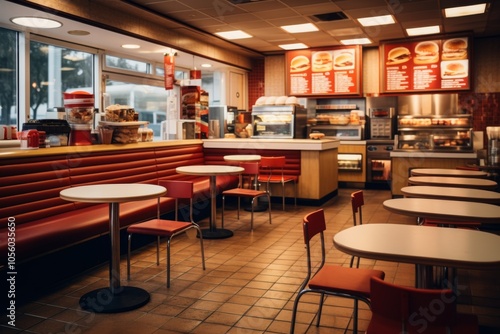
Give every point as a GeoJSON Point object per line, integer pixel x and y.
{"type": "Point", "coordinates": [279, 121]}
{"type": "Point", "coordinates": [435, 133]}
{"type": "Point", "coordinates": [378, 163]}
{"type": "Point", "coordinates": [341, 132]}
{"type": "Point", "coordinates": [226, 116]}
{"type": "Point", "coordinates": [382, 123]}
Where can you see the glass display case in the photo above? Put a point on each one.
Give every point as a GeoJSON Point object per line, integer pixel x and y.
{"type": "Point", "coordinates": [351, 162]}
{"type": "Point", "coordinates": [435, 133]}
{"type": "Point", "coordinates": [285, 121]}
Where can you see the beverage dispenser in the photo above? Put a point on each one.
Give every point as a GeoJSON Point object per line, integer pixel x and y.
{"type": "Point", "coordinates": [79, 108]}
{"type": "Point", "coordinates": [493, 133]}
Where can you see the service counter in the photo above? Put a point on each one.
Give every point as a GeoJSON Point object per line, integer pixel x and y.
{"type": "Point", "coordinates": [404, 161]}
{"type": "Point", "coordinates": [318, 180]}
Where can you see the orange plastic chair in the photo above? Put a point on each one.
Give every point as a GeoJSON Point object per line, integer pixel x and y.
{"type": "Point", "coordinates": [357, 201]}
{"type": "Point", "coordinates": [334, 280]}
{"type": "Point", "coordinates": [272, 171]}
{"type": "Point", "coordinates": [167, 228]}
{"type": "Point", "coordinates": [400, 309]}
{"type": "Point", "coordinates": [251, 172]}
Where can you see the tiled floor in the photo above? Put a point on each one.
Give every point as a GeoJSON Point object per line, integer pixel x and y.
{"type": "Point", "coordinates": [248, 286]}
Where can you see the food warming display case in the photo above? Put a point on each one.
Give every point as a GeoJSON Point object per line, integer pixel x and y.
{"type": "Point", "coordinates": [435, 133]}
{"type": "Point", "coordinates": [279, 121]}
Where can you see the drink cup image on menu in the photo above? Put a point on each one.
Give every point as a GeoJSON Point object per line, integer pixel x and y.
{"type": "Point", "coordinates": [343, 60]}
{"type": "Point", "coordinates": [322, 61]}
{"type": "Point", "coordinates": [426, 53]}
{"type": "Point", "coordinates": [454, 49]}
{"type": "Point", "coordinates": [398, 55]}
{"type": "Point", "coordinates": [454, 69]}
{"type": "Point", "coordinates": [299, 64]}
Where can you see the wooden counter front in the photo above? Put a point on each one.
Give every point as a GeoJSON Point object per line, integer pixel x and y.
{"type": "Point", "coordinates": [403, 162]}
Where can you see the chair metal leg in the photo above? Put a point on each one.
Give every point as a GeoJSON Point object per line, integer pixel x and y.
{"type": "Point", "coordinates": [355, 317]}
{"type": "Point", "coordinates": [201, 245]}
{"type": "Point", "coordinates": [158, 250]}
{"type": "Point", "coordinates": [168, 262]}
{"type": "Point", "coordinates": [320, 309]}
{"type": "Point", "coordinates": [128, 256]}
{"type": "Point", "coordinates": [223, 207]}
{"type": "Point", "coordinates": [269, 207]}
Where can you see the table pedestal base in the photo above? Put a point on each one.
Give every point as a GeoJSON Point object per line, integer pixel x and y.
{"type": "Point", "coordinates": [104, 301]}
{"type": "Point", "coordinates": [219, 233]}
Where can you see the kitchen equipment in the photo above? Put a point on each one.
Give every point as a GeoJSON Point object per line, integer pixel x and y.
{"type": "Point", "coordinates": [378, 163]}
{"type": "Point", "coordinates": [341, 132]}
{"type": "Point", "coordinates": [493, 134]}
{"type": "Point", "coordinates": [381, 123]}
{"type": "Point", "coordinates": [225, 115]}
{"type": "Point", "coordinates": [57, 130]}
{"type": "Point", "coordinates": [279, 121]}
{"type": "Point", "coordinates": [79, 108]}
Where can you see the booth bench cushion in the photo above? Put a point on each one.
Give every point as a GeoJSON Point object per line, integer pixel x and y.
{"type": "Point", "coordinates": [45, 223]}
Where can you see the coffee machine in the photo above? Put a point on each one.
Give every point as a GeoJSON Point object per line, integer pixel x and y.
{"type": "Point", "coordinates": [225, 116]}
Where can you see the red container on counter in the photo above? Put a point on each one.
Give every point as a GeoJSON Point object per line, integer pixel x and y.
{"type": "Point", "coordinates": [80, 135]}
{"type": "Point", "coordinates": [30, 140]}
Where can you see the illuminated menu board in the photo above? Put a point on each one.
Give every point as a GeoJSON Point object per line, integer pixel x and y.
{"type": "Point", "coordinates": [428, 65]}
{"type": "Point", "coordinates": [332, 71]}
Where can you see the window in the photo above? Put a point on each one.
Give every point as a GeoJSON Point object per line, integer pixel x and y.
{"type": "Point", "coordinates": [55, 70]}
{"type": "Point", "coordinates": [8, 77]}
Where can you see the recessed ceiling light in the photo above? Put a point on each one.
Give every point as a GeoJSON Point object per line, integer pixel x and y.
{"type": "Point", "coordinates": [300, 28]}
{"type": "Point", "coordinates": [356, 41]}
{"type": "Point", "coordinates": [66, 69]}
{"type": "Point", "coordinates": [206, 65]}
{"type": "Point", "coordinates": [131, 46]}
{"type": "Point", "coordinates": [423, 31]}
{"type": "Point", "coordinates": [36, 22]}
{"type": "Point", "coordinates": [293, 46]}
{"type": "Point", "coordinates": [376, 20]}
{"type": "Point", "coordinates": [78, 32]}
{"type": "Point", "coordinates": [234, 34]}
{"type": "Point", "coordinates": [465, 10]}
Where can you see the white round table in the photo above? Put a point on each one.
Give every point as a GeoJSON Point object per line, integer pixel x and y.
{"type": "Point", "coordinates": [116, 298]}
{"type": "Point", "coordinates": [445, 209]}
{"type": "Point", "coordinates": [242, 157]}
{"type": "Point", "coordinates": [212, 170]}
{"type": "Point", "coordinates": [451, 193]}
{"type": "Point", "coordinates": [448, 172]}
{"type": "Point", "coordinates": [460, 182]}
{"type": "Point", "coordinates": [421, 245]}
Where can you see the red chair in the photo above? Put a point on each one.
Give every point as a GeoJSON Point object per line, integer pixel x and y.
{"type": "Point", "coordinates": [251, 172]}
{"type": "Point", "coordinates": [398, 309]}
{"type": "Point", "coordinates": [357, 201]}
{"type": "Point", "coordinates": [167, 228]}
{"type": "Point", "coordinates": [331, 280]}
{"type": "Point", "coordinates": [272, 171]}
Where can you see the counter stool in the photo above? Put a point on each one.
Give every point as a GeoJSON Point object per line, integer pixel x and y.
{"type": "Point", "coordinates": [167, 228]}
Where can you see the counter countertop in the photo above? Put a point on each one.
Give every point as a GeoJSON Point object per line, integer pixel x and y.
{"type": "Point", "coordinates": [273, 144]}
{"type": "Point", "coordinates": [445, 155]}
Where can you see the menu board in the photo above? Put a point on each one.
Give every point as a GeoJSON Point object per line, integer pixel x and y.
{"type": "Point", "coordinates": [332, 71]}
{"type": "Point", "coordinates": [426, 65]}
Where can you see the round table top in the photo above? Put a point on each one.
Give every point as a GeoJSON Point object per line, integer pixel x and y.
{"type": "Point", "coordinates": [112, 193]}
{"type": "Point", "coordinates": [448, 172]}
{"type": "Point", "coordinates": [424, 245]}
{"type": "Point", "coordinates": [452, 193]}
{"type": "Point", "coordinates": [444, 209]}
{"type": "Point", "coordinates": [242, 157]}
{"type": "Point", "coordinates": [209, 170]}
{"type": "Point", "coordinates": [464, 182]}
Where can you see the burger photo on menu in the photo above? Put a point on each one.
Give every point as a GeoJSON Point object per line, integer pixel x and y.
{"type": "Point", "coordinates": [454, 49]}
{"type": "Point", "coordinates": [426, 53]}
{"type": "Point", "coordinates": [322, 61]}
{"type": "Point", "coordinates": [454, 69]}
{"type": "Point", "coordinates": [343, 61]}
{"type": "Point", "coordinates": [398, 55]}
{"type": "Point", "coordinates": [299, 64]}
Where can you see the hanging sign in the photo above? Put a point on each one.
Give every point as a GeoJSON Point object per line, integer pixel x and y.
{"type": "Point", "coordinates": [169, 69]}
{"type": "Point", "coordinates": [326, 71]}
{"type": "Point", "coordinates": [437, 64]}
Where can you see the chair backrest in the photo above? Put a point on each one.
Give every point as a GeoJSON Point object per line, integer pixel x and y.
{"type": "Point", "coordinates": [357, 201]}
{"type": "Point", "coordinates": [178, 189]}
{"type": "Point", "coordinates": [273, 162]}
{"type": "Point", "coordinates": [410, 310]}
{"type": "Point", "coordinates": [250, 173]}
{"type": "Point", "coordinates": [313, 224]}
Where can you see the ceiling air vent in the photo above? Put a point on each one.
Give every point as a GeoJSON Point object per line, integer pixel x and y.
{"type": "Point", "coordinates": [334, 16]}
{"type": "Point", "coordinates": [239, 2]}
